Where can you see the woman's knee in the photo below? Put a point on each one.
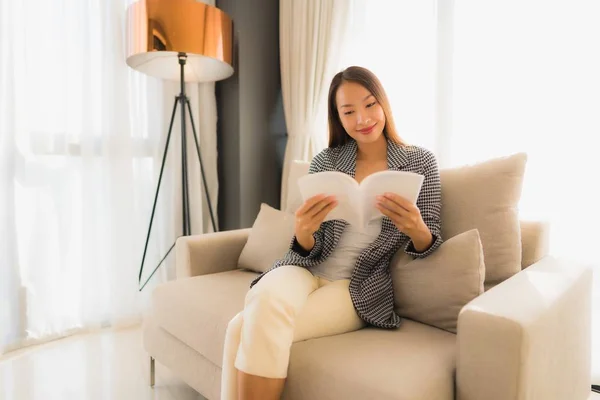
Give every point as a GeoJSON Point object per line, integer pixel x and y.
{"type": "Point", "coordinates": [265, 301]}
{"type": "Point", "coordinates": [287, 285]}
{"type": "Point", "coordinates": [235, 324]}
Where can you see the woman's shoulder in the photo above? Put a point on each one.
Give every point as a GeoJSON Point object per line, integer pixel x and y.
{"type": "Point", "coordinates": [323, 160]}
{"type": "Point", "coordinates": [332, 152]}
{"type": "Point", "coordinates": [323, 154]}
{"type": "Point", "coordinates": [419, 153]}
{"type": "Point", "coordinates": [329, 157]}
{"type": "Point", "coordinates": [415, 155]}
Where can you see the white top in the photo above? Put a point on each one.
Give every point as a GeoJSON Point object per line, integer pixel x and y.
{"type": "Point", "coordinates": [340, 263]}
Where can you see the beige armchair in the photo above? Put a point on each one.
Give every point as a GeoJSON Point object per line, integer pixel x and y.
{"type": "Point", "coordinates": [526, 338]}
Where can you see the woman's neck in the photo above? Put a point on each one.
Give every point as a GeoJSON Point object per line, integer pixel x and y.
{"type": "Point", "coordinates": [375, 151]}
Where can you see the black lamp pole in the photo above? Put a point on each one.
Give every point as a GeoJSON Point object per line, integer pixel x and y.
{"type": "Point", "coordinates": [186, 223]}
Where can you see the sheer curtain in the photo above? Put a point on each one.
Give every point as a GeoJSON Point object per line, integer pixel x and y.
{"type": "Point", "coordinates": [310, 33]}
{"type": "Point", "coordinates": [476, 79]}
{"type": "Point", "coordinates": [81, 140]}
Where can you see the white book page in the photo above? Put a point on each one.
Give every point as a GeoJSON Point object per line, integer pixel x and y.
{"type": "Point", "coordinates": [333, 183]}
{"type": "Point", "coordinates": [403, 183]}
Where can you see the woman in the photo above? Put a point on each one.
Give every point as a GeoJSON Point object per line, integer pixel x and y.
{"type": "Point", "coordinates": [345, 270]}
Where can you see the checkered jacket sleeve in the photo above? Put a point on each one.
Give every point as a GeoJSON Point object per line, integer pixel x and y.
{"type": "Point", "coordinates": [429, 203]}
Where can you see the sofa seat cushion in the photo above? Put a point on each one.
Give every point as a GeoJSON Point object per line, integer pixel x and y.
{"type": "Point", "coordinates": [197, 310]}
{"type": "Point", "coordinates": [414, 362]}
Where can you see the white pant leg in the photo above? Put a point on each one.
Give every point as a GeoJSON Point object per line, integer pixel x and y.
{"type": "Point", "coordinates": [328, 311]}
{"type": "Point", "coordinates": [228, 372]}
{"type": "Point", "coordinates": [269, 320]}
{"type": "Point", "coordinates": [229, 387]}
{"type": "Point", "coordinates": [283, 288]}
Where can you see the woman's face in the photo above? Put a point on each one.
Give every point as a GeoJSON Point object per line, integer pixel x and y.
{"type": "Point", "coordinates": [360, 113]}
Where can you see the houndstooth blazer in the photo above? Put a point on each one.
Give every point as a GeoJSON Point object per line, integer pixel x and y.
{"type": "Point", "coordinates": [371, 288]}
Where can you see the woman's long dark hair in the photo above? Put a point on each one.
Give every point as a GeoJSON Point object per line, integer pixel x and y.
{"type": "Point", "coordinates": [367, 79]}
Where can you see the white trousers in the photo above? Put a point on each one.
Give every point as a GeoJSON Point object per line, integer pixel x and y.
{"type": "Point", "coordinates": [289, 304]}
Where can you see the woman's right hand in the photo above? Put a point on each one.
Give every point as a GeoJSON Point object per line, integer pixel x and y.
{"type": "Point", "coordinates": [310, 216]}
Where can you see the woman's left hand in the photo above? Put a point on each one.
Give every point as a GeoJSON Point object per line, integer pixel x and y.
{"type": "Point", "coordinates": [407, 218]}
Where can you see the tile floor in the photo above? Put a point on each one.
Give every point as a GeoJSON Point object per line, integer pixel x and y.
{"type": "Point", "coordinates": [108, 365]}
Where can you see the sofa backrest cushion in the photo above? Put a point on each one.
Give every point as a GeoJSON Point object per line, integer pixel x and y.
{"type": "Point", "coordinates": [535, 241]}
{"type": "Point", "coordinates": [485, 196]}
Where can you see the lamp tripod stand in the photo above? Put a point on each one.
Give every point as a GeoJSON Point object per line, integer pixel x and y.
{"type": "Point", "coordinates": [182, 100]}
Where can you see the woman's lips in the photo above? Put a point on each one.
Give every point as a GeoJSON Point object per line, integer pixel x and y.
{"type": "Point", "coordinates": [366, 131]}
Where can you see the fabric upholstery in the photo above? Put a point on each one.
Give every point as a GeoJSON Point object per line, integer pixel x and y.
{"type": "Point", "coordinates": [197, 310]}
{"type": "Point", "coordinates": [541, 304]}
{"type": "Point", "coordinates": [433, 290]}
{"type": "Point", "coordinates": [181, 309]}
{"type": "Point", "coordinates": [528, 338]}
{"type": "Point", "coordinates": [485, 197]}
{"type": "Point", "coordinates": [268, 240]}
{"type": "Point", "coordinates": [413, 362]}
{"type": "Point", "coordinates": [209, 253]}
{"type": "Point", "coordinates": [181, 360]}
{"type": "Point", "coordinates": [503, 335]}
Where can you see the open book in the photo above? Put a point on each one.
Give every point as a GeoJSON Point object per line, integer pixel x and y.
{"type": "Point", "coordinates": [356, 202]}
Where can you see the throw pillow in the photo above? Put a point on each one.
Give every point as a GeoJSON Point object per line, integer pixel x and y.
{"type": "Point", "coordinates": [268, 240]}
{"type": "Point", "coordinates": [485, 197]}
{"type": "Point", "coordinates": [434, 289]}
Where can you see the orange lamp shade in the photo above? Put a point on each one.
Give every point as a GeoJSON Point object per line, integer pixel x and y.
{"type": "Point", "coordinates": [158, 30]}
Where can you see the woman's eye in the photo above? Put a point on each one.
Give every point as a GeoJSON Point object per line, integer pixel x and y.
{"type": "Point", "coordinates": [372, 104]}
{"type": "Point", "coordinates": [348, 112]}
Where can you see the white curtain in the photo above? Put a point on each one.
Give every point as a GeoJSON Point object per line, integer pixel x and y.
{"type": "Point", "coordinates": [310, 35]}
{"type": "Point", "coordinates": [476, 79]}
{"type": "Point", "coordinates": [81, 140]}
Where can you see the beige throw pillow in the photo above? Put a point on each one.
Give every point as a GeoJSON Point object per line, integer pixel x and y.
{"type": "Point", "coordinates": [434, 289]}
{"type": "Point", "coordinates": [485, 196]}
{"type": "Point", "coordinates": [269, 239]}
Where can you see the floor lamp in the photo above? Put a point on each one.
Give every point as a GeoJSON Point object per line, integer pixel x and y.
{"type": "Point", "coordinates": [187, 41]}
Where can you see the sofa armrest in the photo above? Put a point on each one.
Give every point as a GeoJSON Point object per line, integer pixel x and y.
{"type": "Point", "coordinates": [528, 337]}
{"type": "Point", "coordinates": [209, 253]}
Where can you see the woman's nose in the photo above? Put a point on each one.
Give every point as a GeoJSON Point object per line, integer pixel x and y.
{"type": "Point", "coordinates": [361, 117]}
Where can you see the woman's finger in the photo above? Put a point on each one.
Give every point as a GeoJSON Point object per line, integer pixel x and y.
{"type": "Point", "coordinates": [320, 206]}
{"type": "Point", "coordinates": [309, 203]}
{"type": "Point", "coordinates": [402, 223]}
{"type": "Point", "coordinates": [392, 205]}
{"type": "Point", "coordinates": [387, 212]}
{"type": "Point", "coordinates": [319, 217]}
{"type": "Point", "coordinates": [401, 201]}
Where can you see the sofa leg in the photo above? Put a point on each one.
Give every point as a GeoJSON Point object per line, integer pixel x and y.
{"type": "Point", "coordinates": [152, 370]}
